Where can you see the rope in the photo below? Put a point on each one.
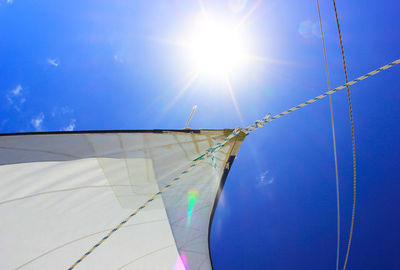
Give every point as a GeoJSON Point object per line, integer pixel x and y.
{"type": "Point", "coordinates": [193, 164]}
{"type": "Point", "coordinates": [352, 140]}
{"type": "Point", "coordinates": [210, 151]}
{"type": "Point", "coordinates": [374, 72]}
{"type": "Point", "coordinates": [334, 144]}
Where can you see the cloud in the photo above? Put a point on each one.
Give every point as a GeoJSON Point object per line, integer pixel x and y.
{"type": "Point", "coordinates": [17, 90]}
{"type": "Point", "coordinates": [265, 180]}
{"type": "Point", "coordinates": [16, 97]}
{"type": "Point", "coordinates": [10, 1]}
{"type": "Point", "coordinates": [64, 112]}
{"type": "Point", "coordinates": [52, 62]}
{"type": "Point", "coordinates": [71, 126]}
{"type": "Point", "coordinates": [61, 110]}
{"type": "Point", "coordinates": [119, 59]}
{"type": "Point", "coordinates": [38, 121]}
{"type": "Point", "coordinates": [4, 122]}
{"type": "Point", "coordinates": [66, 109]}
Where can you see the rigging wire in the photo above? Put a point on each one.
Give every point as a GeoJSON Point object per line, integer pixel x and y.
{"type": "Point", "coordinates": [334, 143]}
{"type": "Point", "coordinates": [352, 139]}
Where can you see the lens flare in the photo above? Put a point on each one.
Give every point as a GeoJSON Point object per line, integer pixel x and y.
{"type": "Point", "coordinates": [309, 29]}
{"type": "Point", "coordinates": [181, 263]}
{"type": "Point", "coordinates": [192, 197]}
{"type": "Point", "coordinates": [237, 5]}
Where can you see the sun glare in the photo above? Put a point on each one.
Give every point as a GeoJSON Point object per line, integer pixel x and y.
{"type": "Point", "coordinates": [219, 49]}
{"type": "Point", "coordinates": [216, 49]}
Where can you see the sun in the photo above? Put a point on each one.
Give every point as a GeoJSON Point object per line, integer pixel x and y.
{"type": "Point", "coordinates": [216, 49]}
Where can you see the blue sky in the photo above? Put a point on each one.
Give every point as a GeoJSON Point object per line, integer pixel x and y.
{"type": "Point", "coordinates": [95, 65]}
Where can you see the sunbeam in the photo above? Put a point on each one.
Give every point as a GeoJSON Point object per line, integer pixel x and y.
{"type": "Point", "coordinates": [248, 14]}
{"type": "Point", "coordinates": [256, 58]}
{"type": "Point", "coordinates": [215, 49]}
{"type": "Point", "coordinates": [228, 83]}
{"type": "Point", "coordinates": [181, 92]}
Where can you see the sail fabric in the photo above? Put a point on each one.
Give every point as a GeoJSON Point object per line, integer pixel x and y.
{"type": "Point", "coordinates": [62, 192]}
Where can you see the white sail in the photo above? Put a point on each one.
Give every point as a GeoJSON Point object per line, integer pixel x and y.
{"type": "Point", "coordinates": [62, 192]}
